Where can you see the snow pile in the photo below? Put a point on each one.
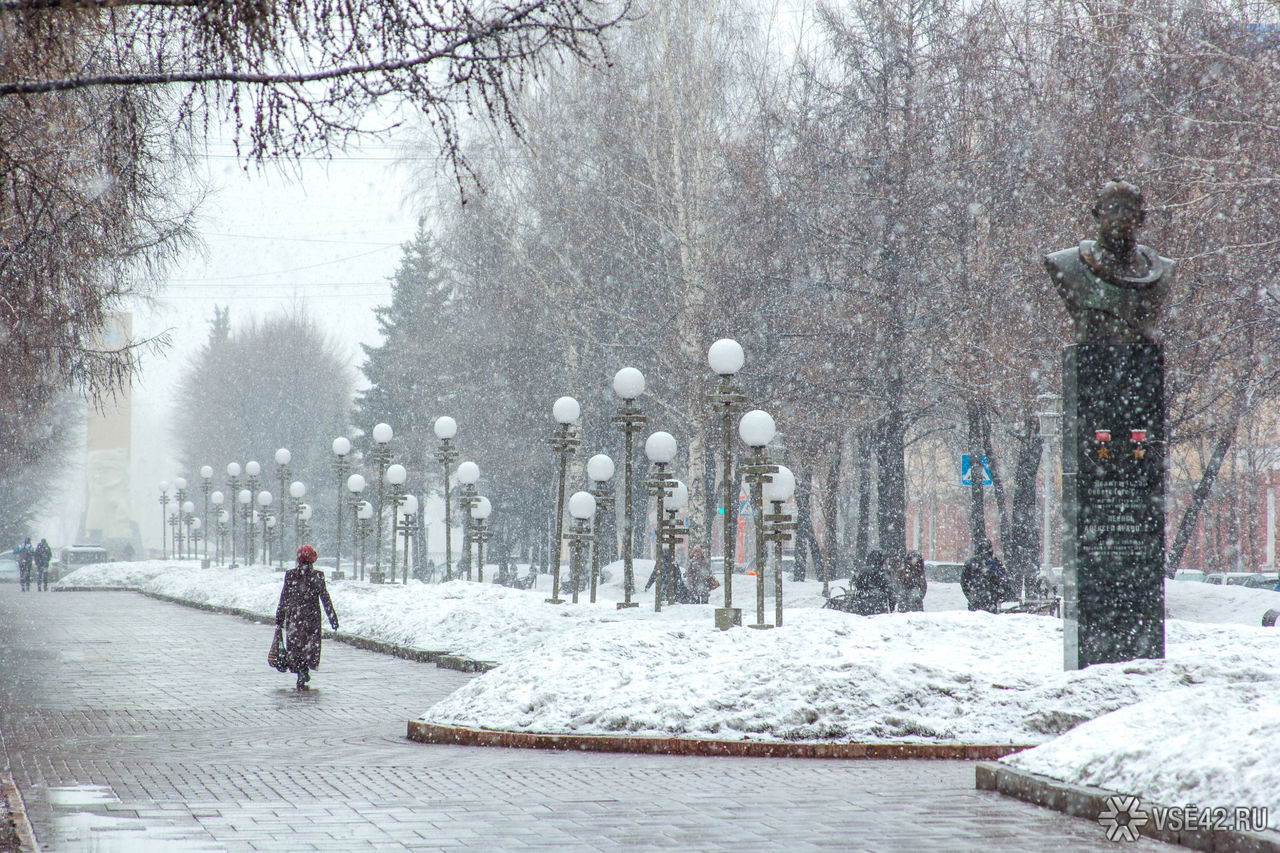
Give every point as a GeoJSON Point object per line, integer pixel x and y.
{"type": "Point", "coordinates": [955, 677]}
{"type": "Point", "coordinates": [1206, 602]}
{"type": "Point", "coordinates": [1212, 746]}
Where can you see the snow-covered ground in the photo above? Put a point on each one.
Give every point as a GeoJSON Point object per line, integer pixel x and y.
{"type": "Point", "coordinates": [1198, 726]}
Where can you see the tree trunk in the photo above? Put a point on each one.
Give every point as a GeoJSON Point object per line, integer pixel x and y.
{"type": "Point", "coordinates": [891, 487]}
{"type": "Point", "coordinates": [977, 517]}
{"type": "Point", "coordinates": [830, 505]}
{"type": "Point", "coordinates": [807, 548]}
{"type": "Point", "coordinates": [997, 483]}
{"type": "Point", "coordinates": [1025, 544]}
{"type": "Point", "coordinates": [861, 543]}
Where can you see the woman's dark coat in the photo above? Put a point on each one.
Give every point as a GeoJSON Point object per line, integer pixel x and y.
{"type": "Point", "coordinates": [299, 614]}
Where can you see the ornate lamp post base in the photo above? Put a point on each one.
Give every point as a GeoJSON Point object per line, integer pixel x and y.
{"type": "Point", "coordinates": [729, 617]}
{"type": "Point", "coordinates": [760, 627]}
{"type": "Point", "coordinates": [377, 576]}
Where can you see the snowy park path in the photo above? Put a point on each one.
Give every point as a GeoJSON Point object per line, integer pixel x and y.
{"type": "Point", "coordinates": [135, 725]}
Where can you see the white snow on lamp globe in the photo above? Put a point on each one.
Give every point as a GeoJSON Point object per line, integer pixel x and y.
{"type": "Point", "coordinates": [582, 505]}
{"type": "Point", "coordinates": [781, 485]}
{"type": "Point", "coordinates": [677, 497]}
{"type": "Point", "coordinates": [382, 433]}
{"type": "Point", "coordinates": [223, 516]}
{"type": "Point", "coordinates": [409, 506]}
{"type": "Point", "coordinates": [233, 469]}
{"type": "Point", "coordinates": [164, 486]}
{"type": "Point", "coordinates": [206, 471]}
{"type": "Point", "coordinates": [188, 507]}
{"type": "Point", "coordinates": [566, 410]}
{"type": "Point", "coordinates": [365, 512]}
{"type": "Point", "coordinates": [283, 456]}
{"type": "Point", "coordinates": [341, 446]}
{"type": "Point", "coordinates": [355, 483]}
{"type": "Point", "coordinates": [468, 473]}
{"type": "Point", "coordinates": [252, 468]}
{"type": "Point", "coordinates": [297, 489]}
{"type": "Point", "coordinates": [756, 428]}
{"type": "Point", "coordinates": [264, 498]}
{"type": "Point", "coordinates": [600, 467]}
{"type": "Point", "coordinates": [216, 498]}
{"type": "Point", "coordinates": [481, 508]}
{"type": "Point", "coordinates": [306, 512]}
{"type": "Point", "coordinates": [725, 357]}
{"type": "Point", "coordinates": [396, 474]}
{"type": "Point", "coordinates": [628, 383]}
{"type": "Point", "coordinates": [271, 521]}
{"type": "Point", "coordinates": [196, 524]}
{"type": "Point", "coordinates": [245, 496]}
{"type": "Point", "coordinates": [180, 483]}
{"type": "Point", "coordinates": [660, 447]}
{"type": "Point", "coordinates": [445, 427]}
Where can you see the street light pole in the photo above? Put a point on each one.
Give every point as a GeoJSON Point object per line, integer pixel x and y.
{"type": "Point", "coordinates": [479, 531]}
{"type": "Point", "coordinates": [364, 516]}
{"type": "Point", "coordinates": [164, 520]}
{"type": "Point", "coordinates": [188, 513]}
{"type": "Point", "coordinates": [468, 475]}
{"type": "Point", "coordinates": [216, 498]}
{"type": "Point", "coordinates": [355, 485]}
{"type": "Point", "coordinates": [677, 499]}
{"type": "Point", "coordinates": [778, 489]}
{"type": "Point", "coordinates": [298, 491]}
{"type": "Point", "coordinates": [283, 458]}
{"type": "Point", "coordinates": [660, 448]}
{"type": "Point", "coordinates": [264, 503]}
{"type": "Point", "coordinates": [756, 430]}
{"type": "Point", "coordinates": [628, 384]}
{"type": "Point", "coordinates": [382, 435]}
{"type": "Point", "coordinates": [725, 357]}
{"type": "Point", "coordinates": [206, 483]}
{"type": "Point", "coordinates": [446, 428]}
{"type": "Point", "coordinates": [341, 465]}
{"type": "Point", "coordinates": [179, 499]}
{"type": "Point", "coordinates": [396, 475]}
{"type": "Point", "coordinates": [582, 506]}
{"type": "Point", "coordinates": [252, 472]}
{"type": "Point", "coordinates": [600, 470]}
{"type": "Point", "coordinates": [233, 494]}
{"type": "Point", "coordinates": [563, 442]}
{"type": "Point", "coordinates": [408, 516]}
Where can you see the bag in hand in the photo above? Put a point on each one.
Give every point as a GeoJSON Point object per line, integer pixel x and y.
{"type": "Point", "coordinates": [277, 655]}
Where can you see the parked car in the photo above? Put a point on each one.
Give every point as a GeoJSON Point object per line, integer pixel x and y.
{"type": "Point", "coordinates": [1262, 581]}
{"type": "Point", "coordinates": [8, 569]}
{"type": "Point", "coordinates": [1189, 575]}
{"type": "Point", "coordinates": [1230, 578]}
{"type": "Point", "coordinates": [73, 557]}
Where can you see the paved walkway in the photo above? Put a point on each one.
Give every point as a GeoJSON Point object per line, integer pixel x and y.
{"type": "Point", "coordinates": [134, 725]}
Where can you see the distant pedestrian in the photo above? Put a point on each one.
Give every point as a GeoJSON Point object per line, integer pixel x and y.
{"type": "Point", "coordinates": [914, 584]}
{"type": "Point", "coordinates": [43, 554]}
{"type": "Point", "coordinates": [26, 562]}
{"type": "Point", "coordinates": [983, 579]}
{"type": "Point", "coordinates": [700, 579]}
{"type": "Point", "coordinates": [298, 614]}
{"type": "Point", "coordinates": [871, 591]}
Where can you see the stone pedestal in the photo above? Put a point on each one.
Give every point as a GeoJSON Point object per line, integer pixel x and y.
{"type": "Point", "coordinates": [1113, 465]}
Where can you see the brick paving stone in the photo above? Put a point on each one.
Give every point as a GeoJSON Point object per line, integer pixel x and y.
{"type": "Point", "coordinates": [195, 744]}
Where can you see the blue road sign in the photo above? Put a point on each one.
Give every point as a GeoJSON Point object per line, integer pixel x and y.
{"type": "Point", "coordinates": [966, 477]}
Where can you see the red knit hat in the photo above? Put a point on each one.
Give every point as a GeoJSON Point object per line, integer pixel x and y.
{"type": "Point", "coordinates": [306, 554]}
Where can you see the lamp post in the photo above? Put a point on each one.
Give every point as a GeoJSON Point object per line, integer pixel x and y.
{"type": "Point", "coordinates": [756, 430]}
{"type": "Point", "coordinates": [179, 499]}
{"type": "Point", "coordinates": [382, 435]}
{"type": "Point", "coordinates": [628, 384]}
{"type": "Point", "coordinates": [233, 492]}
{"type": "Point", "coordinates": [396, 475]}
{"type": "Point", "coordinates": [582, 507]}
{"type": "Point", "coordinates": [677, 499]}
{"type": "Point", "coordinates": [355, 485]}
{"type": "Point", "coordinates": [468, 474]}
{"type": "Point", "coordinates": [195, 532]}
{"type": "Point", "coordinates": [188, 513]}
{"type": "Point", "coordinates": [600, 470]}
{"type": "Point", "coordinates": [660, 448]}
{"type": "Point", "coordinates": [304, 522]}
{"type": "Point", "coordinates": [283, 458]}
{"type": "Point", "coordinates": [221, 545]}
{"type": "Point", "coordinates": [364, 517]}
{"type": "Point", "coordinates": [297, 491]}
{"type": "Point", "coordinates": [408, 518]}
{"type": "Point", "coordinates": [175, 532]}
{"type": "Point", "coordinates": [252, 473]}
{"type": "Point", "coordinates": [1050, 415]}
{"type": "Point", "coordinates": [778, 489]}
{"type": "Point", "coordinates": [269, 522]}
{"type": "Point", "coordinates": [164, 519]}
{"type": "Point", "coordinates": [206, 483]}
{"type": "Point", "coordinates": [264, 504]}
{"type": "Point", "coordinates": [725, 358]}
{"type": "Point", "coordinates": [563, 442]}
{"type": "Point", "coordinates": [446, 428]}
{"type": "Point", "coordinates": [341, 465]}
{"type": "Point", "coordinates": [480, 532]}
{"type": "Point", "coordinates": [245, 499]}
{"type": "Point", "coordinates": [216, 498]}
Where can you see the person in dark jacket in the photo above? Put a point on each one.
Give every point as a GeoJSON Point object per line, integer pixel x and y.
{"type": "Point", "coordinates": [871, 591]}
{"type": "Point", "coordinates": [43, 554]}
{"type": "Point", "coordinates": [298, 614]}
{"type": "Point", "coordinates": [26, 561]}
{"type": "Point", "coordinates": [982, 580]}
{"type": "Point", "coordinates": [914, 584]}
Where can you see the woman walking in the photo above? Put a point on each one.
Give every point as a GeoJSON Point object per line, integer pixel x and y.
{"type": "Point", "coordinates": [298, 614]}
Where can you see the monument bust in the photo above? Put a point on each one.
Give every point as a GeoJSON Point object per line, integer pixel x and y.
{"type": "Point", "coordinates": [1113, 287]}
